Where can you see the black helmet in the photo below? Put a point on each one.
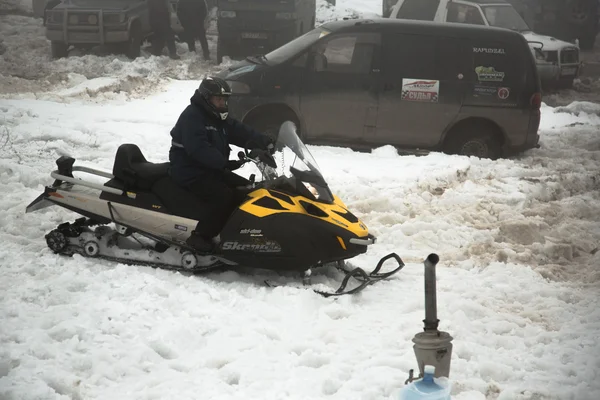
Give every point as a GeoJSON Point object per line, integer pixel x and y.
{"type": "Point", "coordinates": [213, 86]}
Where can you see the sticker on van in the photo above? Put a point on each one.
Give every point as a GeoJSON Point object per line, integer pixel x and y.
{"type": "Point", "coordinates": [489, 74]}
{"type": "Point", "coordinates": [488, 50]}
{"type": "Point", "coordinates": [425, 90]}
{"type": "Point", "coordinates": [503, 93]}
{"type": "Point", "coordinates": [484, 90]}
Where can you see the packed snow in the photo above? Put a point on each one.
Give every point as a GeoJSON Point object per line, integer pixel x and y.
{"type": "Point", "coordinates": [518, 277]}
{"type": "Point", "coordinates": [518, 239]}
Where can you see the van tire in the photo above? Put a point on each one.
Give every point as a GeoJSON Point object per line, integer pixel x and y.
{"type": "Point", "coordinates": [478, 140]}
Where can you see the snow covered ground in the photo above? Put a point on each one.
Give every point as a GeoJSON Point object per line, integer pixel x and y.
{"type": "Point", "coordinates": [518, 239]}
{"type": "Point", "coordinates": [518, 277]}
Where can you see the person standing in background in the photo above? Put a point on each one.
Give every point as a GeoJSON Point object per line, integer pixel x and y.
{"type": "Point", "coordinates": [192, 14]}
{"type": "Point", "coordinates": [160, 23]}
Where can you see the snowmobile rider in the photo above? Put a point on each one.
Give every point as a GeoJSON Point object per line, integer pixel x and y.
{"type": "Point", "coordinates": [199, 157]}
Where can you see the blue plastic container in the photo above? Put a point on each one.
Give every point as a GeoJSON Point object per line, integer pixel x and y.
{"type": "Point", "coordinates": [425, 388]}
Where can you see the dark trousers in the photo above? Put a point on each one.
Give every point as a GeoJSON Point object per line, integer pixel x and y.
{"type": "Point", "coordinates": [193, 31]}
{"type": "Point", "coordinates": [163, 35]}
{"type": "Point", "coordinates": [221, 197]}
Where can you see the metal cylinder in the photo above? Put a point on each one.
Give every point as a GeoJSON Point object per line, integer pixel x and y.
{"type": "Point", "coordinates": [434, 348]}
{"type": "Point", "coordinates": [431, 321]}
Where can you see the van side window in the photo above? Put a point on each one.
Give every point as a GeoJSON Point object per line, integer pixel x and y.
{"type": "Point", "coordinates": [423, 10]}
{"type": "Point", "coordinates": [410, 56]}
{"type": "Point", "coordinates": [464, 14]}
{"type": "Point", "coordinates": [346, 53]}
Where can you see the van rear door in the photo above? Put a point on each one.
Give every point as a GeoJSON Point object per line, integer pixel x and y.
{"type": "Point", "coordinates": [496, 75]}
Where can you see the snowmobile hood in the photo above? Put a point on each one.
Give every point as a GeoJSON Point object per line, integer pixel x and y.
{"type": "Point", "coordinates": [550, 43]}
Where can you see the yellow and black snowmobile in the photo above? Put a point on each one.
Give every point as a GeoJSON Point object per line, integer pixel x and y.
{"type": "Point", "coordinates": [140, 216]}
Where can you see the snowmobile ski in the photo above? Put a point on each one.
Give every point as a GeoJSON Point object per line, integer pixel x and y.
{"type": "Point", "coordinates": [359, 274]}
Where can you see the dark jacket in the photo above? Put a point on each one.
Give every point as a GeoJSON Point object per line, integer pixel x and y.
{"type": "Point", "coordinates": [159, 14]}
{"type": "Point", "coordinates": [191, 12]}
{"type": "Point", "coordinates": [205, 140]}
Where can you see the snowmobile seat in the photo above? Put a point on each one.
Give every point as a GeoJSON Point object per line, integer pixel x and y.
{"type": "Point", "coordinates": [132, 168]}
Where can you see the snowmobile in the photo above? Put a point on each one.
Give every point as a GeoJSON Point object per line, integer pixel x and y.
{"type": "Point", "coordinates": [139, 216]}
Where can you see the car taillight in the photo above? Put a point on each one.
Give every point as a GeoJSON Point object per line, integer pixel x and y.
{"type": "Point", "coordinates": [536, 100]}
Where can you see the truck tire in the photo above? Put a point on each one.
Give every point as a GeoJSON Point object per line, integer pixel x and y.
{"type": "Point", "coordinates": [59, 49]}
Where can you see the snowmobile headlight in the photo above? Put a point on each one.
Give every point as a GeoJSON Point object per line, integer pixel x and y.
{"type": "Point", "coordinates": [312, 189]}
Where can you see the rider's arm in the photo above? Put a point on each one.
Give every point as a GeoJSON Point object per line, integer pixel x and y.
{"type": "Point", "coordinates": [244, 136]}
{"type": "Point", "coordinates": [194, 139]}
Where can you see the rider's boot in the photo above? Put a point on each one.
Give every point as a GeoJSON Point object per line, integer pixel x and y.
{"type": "Point", "coordinates": [200, 243]}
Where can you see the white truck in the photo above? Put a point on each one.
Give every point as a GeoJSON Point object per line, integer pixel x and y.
{"type": "Point", "coordinates": [557, 61]}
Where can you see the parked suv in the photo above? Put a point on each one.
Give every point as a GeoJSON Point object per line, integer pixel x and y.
{"type": "Point", "coordinates": [558, 62]}
{"type": "Point", "coordinates": [88, 23]}
{"type": "Point", "coordinates": [567, 20]}
{"type": "Point", "coordinates": [257, 27]}
{"type": "Point", "coordinates": [459, 88]}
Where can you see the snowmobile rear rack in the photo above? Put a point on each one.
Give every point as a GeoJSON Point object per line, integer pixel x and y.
{"type": "Point", "coordinates": [77, 181]}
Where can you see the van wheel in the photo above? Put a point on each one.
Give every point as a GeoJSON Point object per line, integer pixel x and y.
{"type": "Point", "coordinates": [59, 49]}
{"type": "Point", "coordinates": [476, 143]}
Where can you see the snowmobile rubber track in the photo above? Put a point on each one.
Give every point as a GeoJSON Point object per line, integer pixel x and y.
{"type": "Point", "coordinates": [63, 240]}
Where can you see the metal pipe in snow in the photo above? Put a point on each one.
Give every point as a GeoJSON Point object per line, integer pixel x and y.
{"type": "Point", "coordinates": [431, 321]}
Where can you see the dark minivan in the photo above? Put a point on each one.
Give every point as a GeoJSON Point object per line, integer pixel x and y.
{"type": "Point", "coordinates": [458, 88]}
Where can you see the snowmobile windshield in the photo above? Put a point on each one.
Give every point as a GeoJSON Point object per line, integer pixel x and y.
{"type": "Point", "coordinates": [304, 167]}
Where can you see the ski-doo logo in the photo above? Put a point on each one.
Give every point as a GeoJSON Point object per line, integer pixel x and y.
{"type": "Point", "coordinates": [250, 231]}
{"type": "Point", "coordinates": [181, 227]}
{"type": "Point", "coordinates": [266, 247]}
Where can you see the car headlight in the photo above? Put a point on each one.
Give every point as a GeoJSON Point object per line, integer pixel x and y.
{"type": "Point", "coordinates": [539, 55]}
{"type": "Point", "coordinates": [238, 87]}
